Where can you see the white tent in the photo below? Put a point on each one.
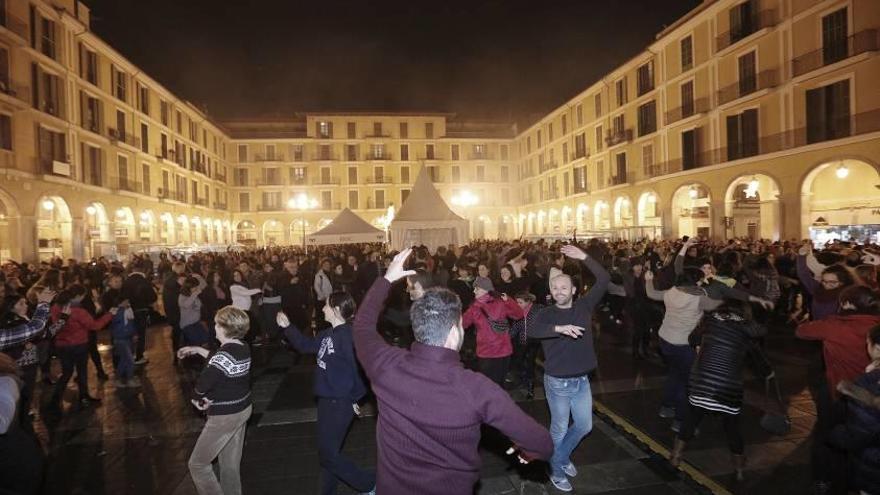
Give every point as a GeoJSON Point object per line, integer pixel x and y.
{"type": "Point", "coordinates": [346, 228]}
{"type": "Point", "coordinates": [425, 219]}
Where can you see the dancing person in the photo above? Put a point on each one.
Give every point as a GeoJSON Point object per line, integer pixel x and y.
{"type": "Point", "coordinates": [569, 356]}
{"type": "Point", "coordinates": [338, 387]}
{"type": "Point", "coordinates": [525, 349]}
{"type": "Point", "coordinates": [139, 292]}
{"type": "Point", "coordinates": [489, 314]}
{"type": "Point", "coordinates": [430, 407]}
{"type": "Point", "coordinates": [223, 390]}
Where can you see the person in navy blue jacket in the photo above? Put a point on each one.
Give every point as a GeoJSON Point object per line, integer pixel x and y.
{"type": "Point", "coordinates": [338, 387]}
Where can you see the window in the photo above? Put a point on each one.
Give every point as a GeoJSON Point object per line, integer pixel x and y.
{"type": "Point", "coordinates": [119, 83]}
{"type": "Point", "coordinates": [351, 152]}
{"type": "Point", "coordinates": [404, 175]}
{"type": "Point", "coordinates": [743, 20]}
{"type": "Point", "coordinates": [241, 177]}
{"type": "Point", "coordinates": [353, 200]}
{"type": "Point", "coordinates": [270, 152]}
{"type": "Point", "coordinates": [647, 118]}
{"type": "Point", "coordinates": [687, 99]}
{"type": "Point", "coordinates": [566, 181]}
{"type": "Point", "coordinates": [456, 174]}
{"type": "Point", "coordinates": [690, 148]}
{"type": "Point", "coordinates": [429, 152]}
{"type": "Point", "coordinates": [645, 81]}
{"type": "Point", "coordinates": [480, 152]}
{"type": "Point", "coordinates": [597, 105]}
{"type": "Point", "coordinates": [145, 173]}
{"type": "Point", "coordinates": [298, 175]}
{"type": "Point", "coordinates": [325, 129]}
{"type": "Point", "coordinates": [380, 199]}
{"type": "Point", "coordinates": [297, 152]}
{"type": "Point", "coordinates": [648, 160]}
{"type": "Point", "coordinates": [828, 115]}
{"type": "Point", "coordinates": [404, 152]}
{"type": "Point", "coordinates": [242, 153]}
{"type": "Point", "coordinates": [163, 145]}
{"type": "Point", "coordinates": [377, 128]}
{"type": "Point", "coordinates": [377, 151]}
{"type": "Point", "coordinates": [505, 173]}
{"type": "Point", "coordinates": [88, 65]}
{"type": "Point", "coordinates": [505, 196]}
{"type": "Point", "coordinates": [122, 172]}
{"type": "Point", "coordinates": [550, 133]}
{"type": "Point", "coordinates": [742, 135]}
{"type": "Point", "coordinates": [324, 150]}
{"type": "Point", "coordinates": [93, 168]}
{"type": "Point", "coordinates": [244, 202]}
{"type": "Point", "coordinates": [565, 156]}
{"type": "Point", "coordinates": [686, 47]}
{"type": "Point", "coordinates": [434, 173]}
{"type": "Point", "coordinates": [528, 144]}
{"type": "Point", "coordinates": [429, 130]}
{"type": "Point", "coordinates": [145, 138]}
{"type": "Point", "coordinates": [45, 90]}
{"type": "Point", "coordinates": [179, 121]}
{"type": "Point", "coordinates": [121, 130]}
{"type": "Point", "coordinates": [834, 36]}
{"type": "Point", "coordinates": [326, 200]}
{"type": "Point", "coordinates": [379, 175]}
{"type": "Point", "coordinates": [351, 130]}
{"type": "Point", "coordinates": [539, 138]}
{"type": "Point", "coordinates": [620, 87]}
{"type": "Point", "coordinates": [163, 112]}
{"type": "Point", "coordinates": [454, 149]}
{"type": "Point", "coordinates": [5, 132]}
{"type": "Point", "coordinates": [599, 138]}
{"type": "Point", "coordinates": [404, 193]}
{"type": "Point", "coordinates": [90, 112]}
{"type": "Point", "coordinates": [325, 175]}
{"type": "Point", "coordinates": [618, 124]}
{"type": "Point", "coordinates": [144, 99]}
{"type": "Point", "coordinates": [580, 179]}
{"type": "Point", "coordinates": [580, 146]}
{"type": "Point", "coordinates": [481, 174]}
{"type": "Point", "coordinates": [620, 175]}
{"type": "Point", "coordinates": [748, 81]}
{"type": "Point", "coordinates": [505, 152]}
{"type": "Point", "coordinates": [47, 37]}
{"type": "Point", "coordinates": [579, 112]}
{"type": "Point", "coordinates": [404, 130]}
{"type": "Point", "coordinates": [352, 175]}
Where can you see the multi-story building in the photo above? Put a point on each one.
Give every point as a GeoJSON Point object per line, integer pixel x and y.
{"type": "Point", "coordinates": [752, 118]}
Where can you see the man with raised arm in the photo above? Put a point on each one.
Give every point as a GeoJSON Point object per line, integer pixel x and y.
{"type": "Point", "coordinates": [430, 407]}
{"type": "Point", "coordinates": [569, 356]}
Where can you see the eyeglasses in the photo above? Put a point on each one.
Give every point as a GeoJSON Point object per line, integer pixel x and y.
{"type": "Point", "coordinates": [830, 282]}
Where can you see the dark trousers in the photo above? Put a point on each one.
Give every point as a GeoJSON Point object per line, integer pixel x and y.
{"type": "Point", "coordinates": [21, 462]}
{"type": "Point", "coordinates": [29, 381]}
{"type": "Point", "coordinates": [94, 354]}
{"type": "Point", "coordinates": [73, 356]}
{"type": "Point", "coordinates": [523, 361]}
{"type": "Point", "coordinates": [494, 368]}
{"type": "Point", "coordinates": [334, 419]}
{"type": "Point", "coordinates": [175, 335]}
{"type": "Point", "coordinates": [730, 422]}
{"type": "Point", "coordinates": [268, 322]}
{"type": "Point", "coordinates": [141, 322]}
{"type": "Point", "coordinates": [679, 359]}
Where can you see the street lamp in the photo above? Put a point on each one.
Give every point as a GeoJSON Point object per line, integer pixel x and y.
{"type": "Point", "coordinates": [301, 202]}
{"type": "Point", "coordinates": [465, 198]}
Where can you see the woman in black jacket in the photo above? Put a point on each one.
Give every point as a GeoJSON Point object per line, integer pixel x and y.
{"type": "Point", "coordinates": [716, 383]}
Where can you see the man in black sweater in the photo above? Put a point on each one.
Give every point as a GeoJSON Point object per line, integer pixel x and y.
{"type": "Point", "coordinates": [569, 356]}
{"type": "Point", "coordinates": [140, 293]}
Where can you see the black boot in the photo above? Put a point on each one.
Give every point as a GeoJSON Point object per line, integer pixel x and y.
{"type": "Point", "coordinates": [530, 389]}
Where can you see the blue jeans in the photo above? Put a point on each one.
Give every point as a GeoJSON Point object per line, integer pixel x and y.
{"type": "Point", "coordinates": [567, 397]}
{"type": "Point", "coordinates": [679, 359]}
{"type": "Point", "coordinates": [122, 354]}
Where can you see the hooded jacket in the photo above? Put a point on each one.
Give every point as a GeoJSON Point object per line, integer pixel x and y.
{"type": "Point", "coordinates": [491, 344]}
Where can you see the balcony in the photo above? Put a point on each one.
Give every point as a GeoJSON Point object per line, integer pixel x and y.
{"type": "Point", "coordinates": [861, 42]}
{"type": "Point", "coordinates": [479, 156]}
{"type": "Point", "coordinates": [550, 165]}
{"type": "Point", "coordinates": [220, 206]}
{"type": "Point", "coordinates": [327, 181]}
{"type": "Point", "coordinates": [201, 202]}
{"type": "Point", "coordinates": [619, 180]}
{"type": "Point", "coordinates": [164, 154]}
{"type": "Point", "coordinates": [580, 153]}
{"type": "Point", "coordinates": [378, 135]}
{"type": "Point", "coordinates": [270, 207]}
{"type": "Point", "coordinates": [700, 105]}
{"type": "Point", "coordinates": [51, 107]}
{"type": "Point", "coordinates": [172, 195]}
{"type": "Point", "coordinates": [615, 138]}
{"type": "Point", "coordinates": [325, 158]}
{"type": "Point", "coordinates": [377, 157]}
{"type": "Point", "coordinates": [270, 181]}
{"type": "Point", "coordinates": [220, 177]}
{"type": "Point", "coordinates": [17, 91]}
{"type": "Point", "coordinates": [656, 170]}
{"type": "Point", "coordinates": [54, 166]}
{"type": "Point", "coordinates": [269, 157]}
{"type": "Point", "coordinates": [330, 206]}
{"type": "Point", "coordinates": [299, 181]}
{"type": "Point", "coordinates": [763, 80]}
{"type": "Point", "coordinates": [15, 25]}
{"type": "Point", "coordinates": [373, 205]}
{"type": "Point", "coordinates": [428, 157]}
{"type": "Point", "coordinates": [127, 184]}
{"type": "Point", "coordinates": [751, 25]}
{"type": "Point", "coordinates": [380, 180]}
{"type": "Point", "coordinates": [581, 188]}
{"type": "Point", "coordinates": [120, 136]}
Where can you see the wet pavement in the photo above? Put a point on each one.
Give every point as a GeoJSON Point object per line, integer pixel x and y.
{"type": "Point", "coordinates": [138, 440]}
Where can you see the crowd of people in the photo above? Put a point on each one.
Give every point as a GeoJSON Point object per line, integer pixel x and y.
{"type": "Point", "coordinates": [439, 338]}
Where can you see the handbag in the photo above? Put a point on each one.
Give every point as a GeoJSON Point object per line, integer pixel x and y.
{"type": "Point", "coordinates": [500, 327]}
{"type": "Point", "coordinates": [776, 423]}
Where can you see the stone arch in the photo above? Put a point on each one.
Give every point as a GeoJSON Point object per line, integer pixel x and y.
{"type": "Point", "coordinates": [751, 207]}
{"type": "Point", "coordinates": [691, 210]}
{"type": "Point", "coordinates": [844, 206]}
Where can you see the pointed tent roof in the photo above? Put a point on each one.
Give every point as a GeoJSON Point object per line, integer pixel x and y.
{"type": "Point", "coordinates": [424, 203]}
{"type": "Point", "coordinates": [347, 227]}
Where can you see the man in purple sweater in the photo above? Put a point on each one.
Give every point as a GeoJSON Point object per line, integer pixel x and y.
{"type": "Point", "coordinates": [430, 407]}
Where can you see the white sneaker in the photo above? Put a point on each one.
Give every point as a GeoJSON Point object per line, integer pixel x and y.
{"type": "Point", "coordinates": [561, 484]}
{"type": "Point", "coordinates": [570, 470]}
{"type": "Point", "coordinates": [142, 360]}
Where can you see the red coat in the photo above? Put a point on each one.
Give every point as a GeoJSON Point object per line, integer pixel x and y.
{"type": "Point", "coordinates": [491, 344]}
{"type": "Point", "coordinates": [843, 345]}
{"type": "Point", "coordinates": [79, 324]}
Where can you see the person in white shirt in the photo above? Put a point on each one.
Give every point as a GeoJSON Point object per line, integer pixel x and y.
{"type": "Point", "coordinates": [323, 289]}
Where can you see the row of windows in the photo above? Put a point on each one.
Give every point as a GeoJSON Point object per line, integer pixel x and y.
{"type": "Point", "coordinates": [296, 153]}
{"type": "Point", "coordinates": [379, 175]}
{"type": "Point", "coordinates": [324, 130]}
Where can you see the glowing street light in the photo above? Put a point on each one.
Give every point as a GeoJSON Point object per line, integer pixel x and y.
{"type": "Point", "coordinates": [91, 210]}
{"type": "Point", "coordinates": [48, 205]}
{"type": "Point", "coordinates": [693, 193]}
{"type": "Point", "coordinates": [842, 171]}
{"type": "Point", "coordinates": [465, 198]}
{"type": "Point", "coordinates": [301, 202]}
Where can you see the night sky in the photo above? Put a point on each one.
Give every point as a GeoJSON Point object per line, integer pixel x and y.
{"type": "Point", "coordinates": [500, 59]}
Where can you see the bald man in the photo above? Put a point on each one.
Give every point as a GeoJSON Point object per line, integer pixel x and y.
{"type": "Point", "coordinates": [569, 357]}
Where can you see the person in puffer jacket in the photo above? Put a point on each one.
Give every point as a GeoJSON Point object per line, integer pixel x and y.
{"type": "Point", "coordinates": [860, 434]}
{"type": "Point", "coordinates": [123, 330]}
{"type": "Point", "coordinates": [493, 347]}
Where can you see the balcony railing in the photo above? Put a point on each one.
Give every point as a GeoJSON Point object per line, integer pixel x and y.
{"type": "Point", "coordinates": [763, 80]}
{"type": "Point", "coordinates": [164, 154]}
{"type": "Point", "coordinates": [861, 42]}
{"type": "Point", "coordinates": [479, 156]}
{"type": "Point", "coordinates": [618, 180]}
{"type": "Point", "coordinates": [751, 25]}
{"type": "Point", "coordinates": [16, 91]}
{"type": "Point", "coordinates": [16, 25]}
{"type": "Point", "coordinates": [428, 157]}
{"type": "Point", "coordinates": [201, 202]}
{"type": "Point", "coordinates": [656, 169]}
{"type": "Point", "coordinates": [127, 184]}
{"type": "Point", "coordinates": [54, 166]}
{"type": "Point", "coordinates": [326, 181]}
{"type": "Point", "coordinates": [580, 153]}
{"type": "Point", "coordinates": [220, 206]}
{"type": "Point", "coordinates": [700, 105]}
{"type": "Point", "coordinates": [578, 188]}
{"type": "Point", "coordinates": [330, 206]}
{"type": "Point", "coordinates": [380, 180]}
{"type": "Point", "coordinates": [613, 138]}
{"type": "Point", "coordinates": [172, 195]}
{"type": "Point", "coordinates": [270, 207]}
{"type": "Point", "coordinates": [129, 139]}
{"type": "Point", "coordinates": [267, 181]}
{"type": "Point", "coordinates": [549, 165]}
{"type": "Point", "coordinates": [299, 181]}
{"type": "Point", "coordinates": [220, 177]}
{"type": "Point", "coordinates": [269, 157]}
{"type": "Point", "coordinates": [325, 158]}
{"type": "Point", "coordinates": [52, 107]}
{"type": "Point", "coordinates": [378, 135]}
{"type": "Point", "coordinates": [377, 157]}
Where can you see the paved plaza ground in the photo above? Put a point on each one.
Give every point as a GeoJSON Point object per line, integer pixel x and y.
{"type": "Point", "coordinates": [138, 441]}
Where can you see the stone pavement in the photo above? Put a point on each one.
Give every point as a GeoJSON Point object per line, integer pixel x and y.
{"type": "Point", "coordinates": [138, 440]}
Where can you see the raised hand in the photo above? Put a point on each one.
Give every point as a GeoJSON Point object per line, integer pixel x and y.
{"type": "Point", "coordinates": [46, 296]}
{"type": "Point", "coordinates": [572, 331]}
{"type": "Point", "coordinates": [282, 320]}
{"type": "Point", "coordinates": [649, 275]}
{"type": "Point", "coordinates": [573, 252]}
{"type": "Point", "coordinates": [395, 270]}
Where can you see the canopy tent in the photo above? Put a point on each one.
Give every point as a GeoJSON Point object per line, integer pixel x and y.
{"type": "Point", "coordinates": [425, 219]}
{"type": "Point", "coordinates": [346, 228]}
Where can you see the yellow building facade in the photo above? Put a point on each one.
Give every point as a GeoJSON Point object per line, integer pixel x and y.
{"type": "Point", "coordinates": [757, 118]}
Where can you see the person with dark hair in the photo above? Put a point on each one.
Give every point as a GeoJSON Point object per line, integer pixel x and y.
{"type": "Point", "coordinates": [431, 408]}
{"type": "Point", "coordinates": [417, 284]}
{"type": "Point", "coordinates": [463, 285]}
{"type": "Point", "coordinates": [338, 387]}
{"type": "Point", "coordinates": [843, 338]}
{"type": "Point", "coordinates": [139, 292]}
{"type": "Point", "coordinates": [489, 315]}
{"type": "Point", "coordinates": [826, 292]}
{"type": "Point", "coordinates": [170, 298]}
{"type": "Point", "coordinates": [525, 349]}
{"type": "Point", "coordinates": [569, 357]}
{"type": "Point", "coordinates": [71, 343]}
{"type": "Point", "coordinates": [716, 384]}
{"type": "Point", "coordinates": [189, 301]}
{"type": "Point", "coordinates": [223, 390]}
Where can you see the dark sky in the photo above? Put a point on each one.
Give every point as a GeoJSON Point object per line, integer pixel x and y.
{"type": "Point", "coordinates": [503, 59]}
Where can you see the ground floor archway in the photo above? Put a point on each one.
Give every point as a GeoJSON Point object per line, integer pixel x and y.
{"type": "Point", "coordinates": [840, 199]}
{"type": "Point", "coordinates": [751, 208]}
{"type": "Point", "coordinates": [54, 228]}
{"type": "Point", "coordinates": [691, 215]}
